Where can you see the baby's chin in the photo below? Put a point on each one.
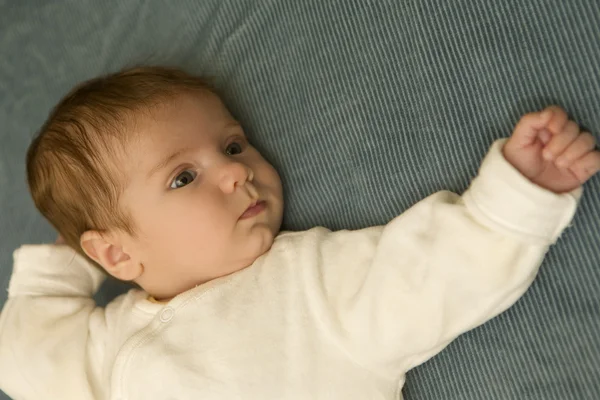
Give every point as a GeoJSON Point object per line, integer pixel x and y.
{"type": "Point", "coordinates": [259, 242]}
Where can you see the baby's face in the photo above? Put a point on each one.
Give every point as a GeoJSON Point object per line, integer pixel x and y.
{"type": "Point", "coordinates": [204, 202]}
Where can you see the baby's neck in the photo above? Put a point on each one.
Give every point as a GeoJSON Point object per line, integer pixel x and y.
{"type": "Point", "coordinates": [159, 301]}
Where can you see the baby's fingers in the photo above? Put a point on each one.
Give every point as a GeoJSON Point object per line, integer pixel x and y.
{"type": "Point", "coordinates": [559, 119]}
{"type": "Point", "coordinates": [527, 130]}
{"type": "Point", "coordinates": [587, 166]}
{"type": "Point", "coordinates": [561, 141]}
{"type": "Point", "coordinates": [584, 143]}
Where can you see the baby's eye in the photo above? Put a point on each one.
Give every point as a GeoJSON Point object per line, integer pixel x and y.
{"type": "Point", "coordinates": [184, 178]}
{"type": "Point", "coordinates": [233, 149]}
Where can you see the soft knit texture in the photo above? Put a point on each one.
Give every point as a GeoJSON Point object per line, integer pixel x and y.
{"type": "Point", "coordinates": [322, 315]}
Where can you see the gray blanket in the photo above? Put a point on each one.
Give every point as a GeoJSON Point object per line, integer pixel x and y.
{"type": "Point", "coordinates": [365, 107]}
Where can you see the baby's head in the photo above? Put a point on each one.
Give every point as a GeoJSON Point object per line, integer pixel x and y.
{"type": "Point", "coordinates": [148, 174]}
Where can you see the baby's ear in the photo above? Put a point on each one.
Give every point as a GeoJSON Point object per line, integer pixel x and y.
{"type": "Point", "coordinates": [107, 251]}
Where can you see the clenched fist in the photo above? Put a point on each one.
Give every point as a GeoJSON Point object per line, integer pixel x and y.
{"type": "Point", "coordinates": [549, 149]}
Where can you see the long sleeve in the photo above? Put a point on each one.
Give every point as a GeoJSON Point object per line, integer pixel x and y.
{"type": "Point", "coordinates": [396, 295]}
{"type": "Point", "coordinates": [51, 332]}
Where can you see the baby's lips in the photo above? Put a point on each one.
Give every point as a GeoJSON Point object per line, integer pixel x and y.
{"type": "Point", "coordinates": [254, 209]}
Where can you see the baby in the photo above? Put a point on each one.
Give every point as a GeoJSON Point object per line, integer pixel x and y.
{"type": "Point", "coordinates": [148, 177]}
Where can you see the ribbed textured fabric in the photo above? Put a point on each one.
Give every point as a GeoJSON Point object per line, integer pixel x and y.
{"type": "Point", "coordinates": [364, 107]}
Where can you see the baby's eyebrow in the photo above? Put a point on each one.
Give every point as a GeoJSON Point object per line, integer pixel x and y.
{"type": "Point", "coordinates": [164, 162]}
{"type": "Point", "coordinates": [233, 124]}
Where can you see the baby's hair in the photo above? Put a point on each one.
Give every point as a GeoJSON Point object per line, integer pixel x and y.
{"type": "Point", "coordinates": [72, 170]}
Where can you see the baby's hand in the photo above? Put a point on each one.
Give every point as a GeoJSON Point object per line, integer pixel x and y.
{"type": "Point", "coordinates": [548, 149]}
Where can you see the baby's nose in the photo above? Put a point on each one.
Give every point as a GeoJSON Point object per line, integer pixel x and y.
{"type": "Point", "coordinates": [234, 174]}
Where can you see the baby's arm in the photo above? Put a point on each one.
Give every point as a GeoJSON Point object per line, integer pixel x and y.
{"type": "Point", "coordinates": [396, 295]}
{"type": "Point", "coordinates": [51, 332]}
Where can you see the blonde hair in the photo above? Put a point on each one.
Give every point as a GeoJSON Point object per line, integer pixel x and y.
{"type": "Point", "coordinates": [71, 170]}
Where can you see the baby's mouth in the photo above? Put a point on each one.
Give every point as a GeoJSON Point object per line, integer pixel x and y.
{"type": "Point", "coordinates": [254, 209]}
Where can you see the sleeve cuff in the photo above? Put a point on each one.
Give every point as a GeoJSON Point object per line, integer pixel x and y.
{"type": "Point", "coordinates": [53, 270]}
{"type": "Point", "coordinates": [502, 198]}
